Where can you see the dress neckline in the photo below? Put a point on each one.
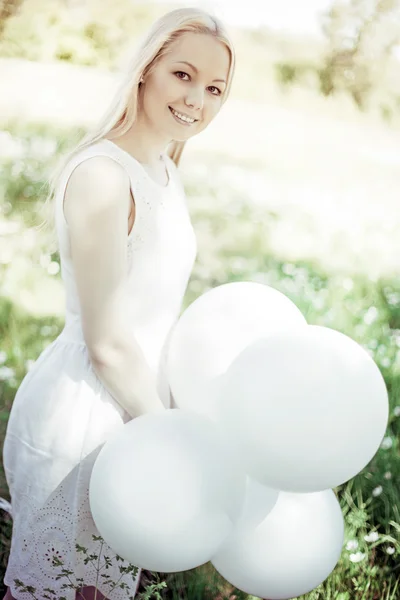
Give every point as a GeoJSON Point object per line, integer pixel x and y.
{"type": "Point", "coordinates": [156, 183]}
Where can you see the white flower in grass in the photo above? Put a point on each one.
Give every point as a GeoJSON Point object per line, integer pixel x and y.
{"type": "Point", "coordinates": [352, 545]}
{"type": "Point", "coordinates": [390, 550]}
{"type": "Point", "coordinates": [53, 268]}
{"type": "Point", "coordinates": [357, 557]}
{"type": "Point", "coordinates": [387, 443]}
{"type": "Point", "coordinates": [348, 283]}
{"type": "Point", "coordinates": [371, 537]}
{"type": "Point", "coordinates": [396, 411]}
{"type": "Point", "coordinates": [3, 357]}
{"type": "Point", "coordinates": [388, 475]}
{"type": "Point", "coordinates": [45, 330]}
{"type": "Point", "coordinates": [377, 491]}
{"type": "Point", "coordinates": [371, 315]}
{"type": "Point", "coordinates": [6, 373]}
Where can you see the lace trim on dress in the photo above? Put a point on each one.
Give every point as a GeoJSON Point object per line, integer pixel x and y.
{"type": "Point", "coordinates": [45, 564]}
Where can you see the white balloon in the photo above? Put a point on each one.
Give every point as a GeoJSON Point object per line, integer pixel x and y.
{"type": "Point", "coordinates": [164, 492]}
{"type": "Point", "coordinates": [306, 410]}
{"type": "Point", "coordinates": [258, 503]}
{"type": "Point", "coordinates": [213, 331]}
{"type": "Point", "coordinates": [290, 553]}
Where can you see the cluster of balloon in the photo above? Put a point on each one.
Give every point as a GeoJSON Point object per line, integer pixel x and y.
{"type": "Point", "coordinates": [272, 414]}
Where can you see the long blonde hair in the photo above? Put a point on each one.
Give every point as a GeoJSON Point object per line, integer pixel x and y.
{"type": "Point", "coordinates": [122, 111]}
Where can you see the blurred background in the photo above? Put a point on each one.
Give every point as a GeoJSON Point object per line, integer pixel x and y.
{"type": "Point", "coordinates": [295, 185]}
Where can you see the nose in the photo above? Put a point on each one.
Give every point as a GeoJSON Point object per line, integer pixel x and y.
{"type": "Point", "coordinates": [195, 99]}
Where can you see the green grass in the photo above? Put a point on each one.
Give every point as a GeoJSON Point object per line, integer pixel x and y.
{"type": "Point", "coordinates": [235, 245]}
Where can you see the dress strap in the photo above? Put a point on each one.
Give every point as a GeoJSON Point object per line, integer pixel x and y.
{"type": "Point", "coordinates": [132, 160]}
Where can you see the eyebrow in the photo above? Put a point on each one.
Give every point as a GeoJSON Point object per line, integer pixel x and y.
{"type": "Point", "coordinates": [185, 62]}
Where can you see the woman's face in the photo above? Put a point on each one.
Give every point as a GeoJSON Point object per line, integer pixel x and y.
{"type": "Point", "coordinates": [193, 91]}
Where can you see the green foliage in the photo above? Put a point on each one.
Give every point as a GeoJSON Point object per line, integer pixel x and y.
{"type": "Point", "coordinates": [286, 73]}
{"type": "Point", "coordinates": [361, 36]}
{"type": "Point", "coordinates": [234, 246]}
{"type": "Point", "coordinates": [291, 73]}
{"type": "Point", "coordinates": [23, 176]}
{"type": "Point", "coordinates": [89, 33]}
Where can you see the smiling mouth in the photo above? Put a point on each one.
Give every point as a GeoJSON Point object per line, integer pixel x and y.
{"type": "Point", "coordinates": [171, 109]}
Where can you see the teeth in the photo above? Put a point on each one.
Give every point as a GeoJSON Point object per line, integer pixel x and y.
{"type": "Point", "coordinates": [182, 117]}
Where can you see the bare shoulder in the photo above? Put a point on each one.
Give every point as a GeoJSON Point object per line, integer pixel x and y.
{"type": "Point", "coordinates": [97, 171]}
{"type": "Point", "coordinates": [95, 183]}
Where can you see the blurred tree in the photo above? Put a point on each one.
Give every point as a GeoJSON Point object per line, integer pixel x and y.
{"type": "Point", "coordinates": [82, 32]}
{"type": "Point", "coordinates": [8, 8]}
{"type": "Point", "coordinates": [361, 36]}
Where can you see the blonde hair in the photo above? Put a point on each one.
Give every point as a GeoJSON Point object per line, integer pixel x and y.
{"type": "Point", "coordinates": [122, 111]}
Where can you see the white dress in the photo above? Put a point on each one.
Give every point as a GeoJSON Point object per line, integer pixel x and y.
{"type": "Point", "coordinates": [62, 413]}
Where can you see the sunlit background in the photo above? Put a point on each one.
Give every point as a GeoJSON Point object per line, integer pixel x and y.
{"type": "Point", "coordinates": [295, 185]}
{"type": "Point", "coordinates": [285, 16]}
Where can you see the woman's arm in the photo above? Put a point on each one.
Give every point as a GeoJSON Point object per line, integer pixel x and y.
{"type": "Point", "coordinates": [96, 207]}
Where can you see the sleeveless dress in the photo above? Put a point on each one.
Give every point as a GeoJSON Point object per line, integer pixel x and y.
{"type": "Point", "coordinates": [62, 414]}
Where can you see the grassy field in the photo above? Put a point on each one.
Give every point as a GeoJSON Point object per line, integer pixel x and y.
{"type": "Point", "coordinates": [237, 234]}
{"type": "Point", "coordinates": [288, 189]}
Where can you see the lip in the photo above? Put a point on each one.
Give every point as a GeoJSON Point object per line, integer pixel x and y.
{"type": "Point", "coordinates": [195, 120]}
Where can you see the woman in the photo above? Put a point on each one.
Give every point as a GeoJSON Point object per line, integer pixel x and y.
{"type": "Point", "coordinates": [127, 248]}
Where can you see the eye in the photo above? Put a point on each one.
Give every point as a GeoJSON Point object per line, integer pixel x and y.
{"type": "Point", "coordinates": [218, 90]}
{"type": "Point", "coordinates": [182, 73]}
{"type": "Point", "coordinates": [211, 86]}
